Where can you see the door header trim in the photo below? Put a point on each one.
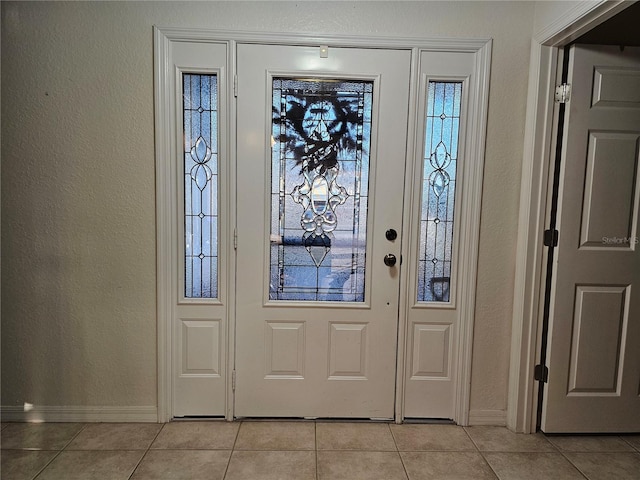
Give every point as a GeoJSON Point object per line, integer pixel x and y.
{"type": "Point", "coordinates": [406, 43]}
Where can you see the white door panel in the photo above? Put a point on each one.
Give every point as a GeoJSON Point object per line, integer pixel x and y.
{"type": "Point", "coordinates": [199, 216]}
{"type": "Point", "coordinates": [313, 357]}
{"type": "Point", "coordinates": [594, 359]}
{"type": "Point", "coordinates": [434, 319]}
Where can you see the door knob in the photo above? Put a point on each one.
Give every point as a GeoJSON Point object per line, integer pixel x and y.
{"type": "Point", "coordinates": [391, 234]}
{"type": "Point", "coordinates": [389, 259]}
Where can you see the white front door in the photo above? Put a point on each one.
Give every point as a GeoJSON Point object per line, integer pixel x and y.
{"type": "Point", "coordinates": [327, 196]}
{"type": "Point", "coordinates": [594, 343]}
{"type": "Point", "coordinates": [321, 151]}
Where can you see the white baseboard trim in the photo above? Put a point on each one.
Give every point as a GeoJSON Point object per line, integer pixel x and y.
{"type": "Point", "coordinates": [78, 414]}
{"type": "Point", "coordinates": [488, 417]}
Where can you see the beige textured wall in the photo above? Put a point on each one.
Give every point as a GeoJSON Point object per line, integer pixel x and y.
{"type": "Point", "coordinates": [78, 230]}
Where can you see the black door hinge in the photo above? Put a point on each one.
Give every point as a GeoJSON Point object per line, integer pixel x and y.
{"type": "Point", "coordinates": [541, 373]}
{"type": "Point", "coordinates": [551, 238]}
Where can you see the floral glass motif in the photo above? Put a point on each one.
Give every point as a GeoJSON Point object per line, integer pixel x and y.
{"type": "Point", "coordinates": [321, 134]}
{"type": "Point", "coordinates": [438, 190]}
{"type": "Point", "coordinates": [200, 117]}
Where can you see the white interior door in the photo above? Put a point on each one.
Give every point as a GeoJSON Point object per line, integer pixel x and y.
{"type": "Point", "coordinates": [321, 153]}
{"type": "Point", "coordinates": [593, 351]}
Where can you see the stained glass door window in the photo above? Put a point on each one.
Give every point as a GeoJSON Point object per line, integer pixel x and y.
{"type": "Point", "coordinates": [438, 190]}
{"type": "Point", "coordinates": [321, 136]}
{"type": "Point", "coordinates": [200, 120]}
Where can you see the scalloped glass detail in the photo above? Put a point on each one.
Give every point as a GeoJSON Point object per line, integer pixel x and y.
{"type": "Point", "coordinates": [442, 127]}
{"type": "Point", "coordinates": [200, 131]}
{"type": "Point", "coordinates": [321, 134]}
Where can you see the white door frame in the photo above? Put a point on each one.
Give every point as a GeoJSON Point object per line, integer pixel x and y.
{"type": "Point", "coordinates": [469, 212]}
{"type": "Point", "coordinates": [538, 158]}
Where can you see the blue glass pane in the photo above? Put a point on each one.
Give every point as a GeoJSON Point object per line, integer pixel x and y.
{"type": "Point", "coordinates": [442, 125]}
{"type": "Point", "coordinates": [200, 129]}
{"type": "Point", "coordinates": [321, 135]}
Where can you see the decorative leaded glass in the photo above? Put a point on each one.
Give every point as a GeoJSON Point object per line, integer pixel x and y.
{"type": "Point", "coordinates": [438, 190]}
{"type": "Point", "coordinates": [320, 172]}
{"type": "Point", "coordinates": [200, 98]}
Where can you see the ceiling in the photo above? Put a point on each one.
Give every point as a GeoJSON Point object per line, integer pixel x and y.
{"type": "Point", "coordinates": [622, 29]}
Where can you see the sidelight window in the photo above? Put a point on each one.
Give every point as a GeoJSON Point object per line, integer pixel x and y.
{"type": "Point", "coordinates": [200, 123]}
{"type": "Point", "coordinates": [442, 124]}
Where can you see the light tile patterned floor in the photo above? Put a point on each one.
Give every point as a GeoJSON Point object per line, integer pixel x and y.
{"type": "Point", "coordinates": [219, 450]}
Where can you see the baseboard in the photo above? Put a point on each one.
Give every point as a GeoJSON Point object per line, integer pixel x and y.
{"type": "Point", "coordinates": [78, 414]}
{"type": "Point", "coordinates": [488, 417]}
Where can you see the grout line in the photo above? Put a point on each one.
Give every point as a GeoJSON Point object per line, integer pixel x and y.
{"type": "Point", "coordinates": [47, 464]}
{"type": "Point", "coordinates": [404, 467]}
{"type": "Point", "coordinates": [275, 450]}
{"type": "Point", "coordinates": [464, 429]}
{"type": "Point", "coordinates": [233, 448]}
{"type": "Point", "coordinates": [84, 426]}
{"type": "Point", "coordinates": [495, 474]}
{"type": "Point", "coordinates": [475, 445]}
{"type": "Point", "coordinates": [371, 450]}
{"type": "Point", "coordinates": [439, 450]}
{"type": "Point", "coordinates": [398, 451]}
{"type": "Point", "coordinates": [393, 437]}
{"type": "Point", "coordinates": [82, 429]}
{"type": "Point", "coordinates": [315, 438]}
{"type": "Point", "coordinates": [488, 464]}
{"type": "Point", "coordinates": [133, 472]}
{"type": "Point", "coordinates": [572, 464]}
{"type": "Point", "coordinates": [624, 439]}
{"type": "Point", "coordinates": [555, 447]}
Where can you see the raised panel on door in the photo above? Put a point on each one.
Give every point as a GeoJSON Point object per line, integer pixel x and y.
{"type": "Point", "coordinates": [348, 352]}
{"type": "Point", "coordinates": [609, 194]}
{"type": "Point", "coordinates": [200, 347]}
{"type": "Point", "coordinates": [594, 362]}
{"type": "Point", "coordinates": [598, 340]}
{"type": "Point", "coordinates": [321, 152]}
{"type": "Point", "coordinates": [284, 349]}
{"type": "Point", "coordinates": [431, 351]}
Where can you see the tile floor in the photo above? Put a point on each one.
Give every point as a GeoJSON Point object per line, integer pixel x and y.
{"type": "Point", "coordinates": [217, 450]}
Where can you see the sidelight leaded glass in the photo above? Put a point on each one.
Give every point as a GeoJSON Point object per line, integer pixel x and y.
{"type": "Point", "coordinates": [321, 135]}
{"type": "Point", "coordinates": [200, 116]}
{"type": "Point", "coordinates": [438, 190]}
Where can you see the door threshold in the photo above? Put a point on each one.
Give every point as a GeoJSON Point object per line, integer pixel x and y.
{"type": "Point", "coordinates": [198, 418]}
{"type": "Point", "coordinates": [430, 421]}
{"type": "Point", "coordinates": [273, 419]}
{"type": "Point", "coordinates": [314, 419]}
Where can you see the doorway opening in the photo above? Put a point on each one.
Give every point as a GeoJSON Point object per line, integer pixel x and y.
{"type": "Point", "coordinates": [535, 213]}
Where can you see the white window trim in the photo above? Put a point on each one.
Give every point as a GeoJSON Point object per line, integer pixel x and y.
{"type": "Point", "coordinates": [469, 215]}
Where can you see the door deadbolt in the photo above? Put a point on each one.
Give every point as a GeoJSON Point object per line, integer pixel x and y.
{"type": "Point", "coordinates": [391, 234]}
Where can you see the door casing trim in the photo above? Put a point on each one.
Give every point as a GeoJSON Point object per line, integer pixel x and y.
{"type": "Point", "coordinates": [469, 209]}
{"type": "Point", "coordinates": [538, 155]}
